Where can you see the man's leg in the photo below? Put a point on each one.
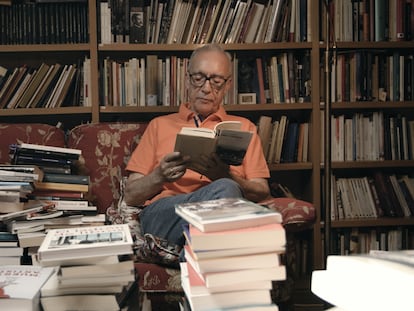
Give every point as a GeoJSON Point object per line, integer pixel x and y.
{"type": "Point", "coordinates": [160, 219]}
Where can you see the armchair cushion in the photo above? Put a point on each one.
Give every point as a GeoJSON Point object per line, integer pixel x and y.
{"type": "Point", "coordinates": [106, 148]}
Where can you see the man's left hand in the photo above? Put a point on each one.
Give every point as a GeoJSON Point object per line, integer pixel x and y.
{"type": "Point", "coordinates": [211, 166]}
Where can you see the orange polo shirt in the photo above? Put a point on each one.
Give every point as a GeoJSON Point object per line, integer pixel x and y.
{"type": "Point", "coordinates": [159, 139]}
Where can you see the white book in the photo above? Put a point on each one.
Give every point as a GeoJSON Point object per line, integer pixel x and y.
{"type": "Point", "coordinates": [91, 302]}
{"type": "Point", "coordinates": [84, 242]}
{"type": "Point", "coordinates": [373, 283]}
{"type": "Point", "coordinates": [21, 286]}
{"type": "Point", "coordinates": [50, 148]}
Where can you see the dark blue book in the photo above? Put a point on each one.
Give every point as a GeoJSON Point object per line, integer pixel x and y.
{"type": "Point", "coordinates": [66, 178]}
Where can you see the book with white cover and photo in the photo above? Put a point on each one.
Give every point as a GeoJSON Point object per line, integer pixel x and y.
{"type": "Point", "coordinates": [83, 242]}
{"type": "Point", "coordinates": [226, 214]}
{"type": "Point", "coordinates": [226, 139]}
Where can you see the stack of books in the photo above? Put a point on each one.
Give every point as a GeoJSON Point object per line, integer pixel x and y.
{"type": "Point", "coordinates": [10, 251]}
{"type": "Point", "coordinates": [16, 184]}
{"type": "Point", "coordinates": [233, 254]}
{"type": "Point", "coordinates": [94, 268]}
{"type": "Point", "coordinates": [59, 183]}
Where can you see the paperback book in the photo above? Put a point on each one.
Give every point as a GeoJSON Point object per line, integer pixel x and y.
{"type": "Point", "coordinates": [20, 286]}
{"type": "Point", "coordinates": [226, 214]}
{"type": "Point", "coordinates": [227, 140]}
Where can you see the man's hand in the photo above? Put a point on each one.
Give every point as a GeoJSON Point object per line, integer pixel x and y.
{"type": "Point", "coordinates": [212, 167]}
{"type": "Point", "coordinates": [173, 166]}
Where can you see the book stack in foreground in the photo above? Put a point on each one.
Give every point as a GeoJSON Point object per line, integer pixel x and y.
{"type": "Point", "coordinates": [377, 281]}
{"type": "Point", "coordinates": [94, 271]}
{"type": "Point", "coordinates": [20, 286]}
{"type": "Point", "coordinates": [233, 254]}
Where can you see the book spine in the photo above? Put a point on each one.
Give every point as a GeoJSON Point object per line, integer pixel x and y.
{"type": "Point", "coordinates": [65, 178]}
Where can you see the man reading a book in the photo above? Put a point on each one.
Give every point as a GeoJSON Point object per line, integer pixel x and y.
{"type": "Point", "coordinates": [160, 178]}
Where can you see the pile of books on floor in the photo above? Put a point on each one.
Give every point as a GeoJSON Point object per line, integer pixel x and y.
{"type": "Point", "coordinates": [233, 254]}
{"type": "Point", "coordinates": [41, 190]}
{"type": "Point", "coordinates": [95, 270]}
{"type": "Point", "coordinates": [375, 281]}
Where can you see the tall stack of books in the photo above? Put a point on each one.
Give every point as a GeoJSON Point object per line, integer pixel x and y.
{"type": "Point", "coordinates": [94, 268]}
{"type": "Point", "coordinates": [233, 254]}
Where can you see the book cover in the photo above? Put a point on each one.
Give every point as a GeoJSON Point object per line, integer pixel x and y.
{"type": "Point", "coordinates": [226, 214]}
{"type": "Point", "coordinates": [84, 242]}
{"type": "Point", "coordinates": [20, 286]}
{"type": "Point", "coordinates": [226, 139]}
{"type": "Point", "coordinates": [270, 235]}
{"type": "Point", "coordinates": [136, 23]}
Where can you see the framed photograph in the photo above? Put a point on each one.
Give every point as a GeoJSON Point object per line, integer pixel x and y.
{"type": "Point", "coordinates": [247, 98]}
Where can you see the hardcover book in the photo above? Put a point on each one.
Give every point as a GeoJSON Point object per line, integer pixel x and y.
{"type": "Point", "coordinates": [226, 214]}
{"type": "Point", "coordinates": [20, 286]}
{"type": "Point", "coordinates": [84, 242]}
{"type": "Point", "coordinates": [226, 139]}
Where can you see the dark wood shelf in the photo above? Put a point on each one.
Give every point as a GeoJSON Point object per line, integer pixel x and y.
{"type": "Point", "coordinates": [374, 222]}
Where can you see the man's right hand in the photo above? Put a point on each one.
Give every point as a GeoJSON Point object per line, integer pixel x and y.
{"type": "Point", "coordinates": [173, 166]}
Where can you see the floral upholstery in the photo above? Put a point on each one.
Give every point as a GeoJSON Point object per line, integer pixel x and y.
{"type": "Point", "coordinates": [34, 133]}
{"type": "Point", "coordinates": [106, 148]}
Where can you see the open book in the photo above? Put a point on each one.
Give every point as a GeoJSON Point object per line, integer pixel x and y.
{"type": "Point", "coordinates": [227, 140]}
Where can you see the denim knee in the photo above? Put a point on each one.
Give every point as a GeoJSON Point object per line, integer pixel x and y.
{"type": "Point", "coordinates": [228, 187]}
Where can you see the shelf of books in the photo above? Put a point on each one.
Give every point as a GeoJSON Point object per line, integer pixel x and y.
{"type": "Point", "coordinates": [371, 96]}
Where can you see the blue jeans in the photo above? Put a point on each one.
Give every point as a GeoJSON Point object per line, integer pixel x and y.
{"type": "Point", "coordinates": [159, 218]}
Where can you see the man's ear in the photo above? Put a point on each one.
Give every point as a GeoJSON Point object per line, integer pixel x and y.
{"type": "Point", "coordinates": [228, 84]}
{"type": "Point", "coordinates": [187, 81]}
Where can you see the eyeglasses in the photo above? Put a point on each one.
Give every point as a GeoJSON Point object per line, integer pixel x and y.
{"type": "Point", "coordinates": [199, 79]}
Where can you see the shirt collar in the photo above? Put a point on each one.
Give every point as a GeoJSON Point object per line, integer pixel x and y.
{"type": "Point", "coordinates": [187, 114]}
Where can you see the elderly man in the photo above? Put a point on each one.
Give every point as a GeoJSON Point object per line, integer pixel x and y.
{"type": "Point", "coordinates": [160, 178]}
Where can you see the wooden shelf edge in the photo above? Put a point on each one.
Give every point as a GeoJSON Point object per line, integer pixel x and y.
{"type": "Point", "coordinates": [45, 48]}
{"type": "Point", "coordinates": [191, 47]}
{"type": "Point", "coordinates": [374, 222]}
{"type": "Point", "coordinates": [45, 111]}
{"type": "Point", "coordinates": [164, 109]}
{"type": "Point", "coordinates": [372, 164]}
{"type": "Point", "coordinates": [290, 166]}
